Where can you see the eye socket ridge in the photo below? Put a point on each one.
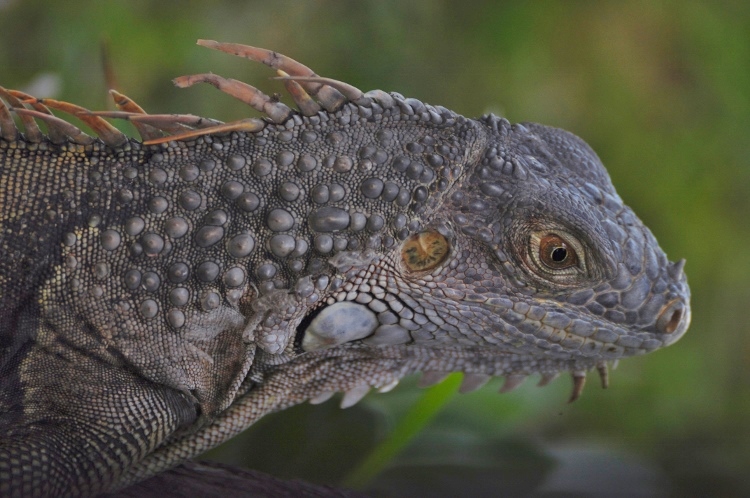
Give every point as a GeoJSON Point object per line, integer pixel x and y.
{"type": "Point", "coordinates": [557, 254]}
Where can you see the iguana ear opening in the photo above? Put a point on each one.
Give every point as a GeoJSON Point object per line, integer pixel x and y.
{"type": "Point", "coordinates": [425, 250]}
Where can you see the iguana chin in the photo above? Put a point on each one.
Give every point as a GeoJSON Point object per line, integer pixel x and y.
{"type": "Point", "coordinates": [159, 296]}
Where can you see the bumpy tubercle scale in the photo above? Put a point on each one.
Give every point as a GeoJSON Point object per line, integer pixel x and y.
{"type": "Point", "coordinates": [216, 272]}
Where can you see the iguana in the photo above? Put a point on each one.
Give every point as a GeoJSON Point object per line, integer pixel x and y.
{"type": "Point", "coordinates": [161, 295]}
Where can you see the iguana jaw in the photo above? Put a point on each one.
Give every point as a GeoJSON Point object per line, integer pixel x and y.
{"type": "Point", "coordinates": [574, 345]}
{"type": "Point", "coordinates": [359, 368]}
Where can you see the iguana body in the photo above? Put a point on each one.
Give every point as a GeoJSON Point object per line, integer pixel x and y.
{"type": "Point", "coordinates": [158, 298]}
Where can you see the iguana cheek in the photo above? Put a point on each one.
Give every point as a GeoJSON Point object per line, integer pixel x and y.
{"type": "Point", "coordinates": [339, 323]}
{"type": "Point", "coordinates": [347, 321]}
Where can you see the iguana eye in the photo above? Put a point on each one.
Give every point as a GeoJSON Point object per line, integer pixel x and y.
{"type": "Point", "coordinates": [556, 253]}
{"type": "Point", "coordinates": [425, 250]}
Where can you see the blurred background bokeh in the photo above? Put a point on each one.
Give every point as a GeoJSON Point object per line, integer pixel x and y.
{"type": "Point", "coordinates": [660, 89]}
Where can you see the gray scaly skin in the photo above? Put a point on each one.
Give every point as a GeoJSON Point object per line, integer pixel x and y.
{"type": "Point", "coordinates": [159, 298]}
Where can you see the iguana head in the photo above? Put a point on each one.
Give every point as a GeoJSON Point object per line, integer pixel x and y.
{"type": "Point", "coordinates": [531, 264]}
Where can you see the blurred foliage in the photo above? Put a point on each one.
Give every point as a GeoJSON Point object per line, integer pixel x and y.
{"type": "Point", "coordinates": [661, 89]}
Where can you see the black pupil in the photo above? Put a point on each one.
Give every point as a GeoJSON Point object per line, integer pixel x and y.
{"type": "Point", "coordinates": [559, 254]}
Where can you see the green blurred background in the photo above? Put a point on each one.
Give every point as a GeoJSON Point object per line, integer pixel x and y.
{"type": "Point", "coordinates": [660, 89]}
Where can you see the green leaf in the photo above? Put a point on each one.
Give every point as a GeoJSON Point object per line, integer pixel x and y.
{"type": "Point", "coordinates": [414, 421]}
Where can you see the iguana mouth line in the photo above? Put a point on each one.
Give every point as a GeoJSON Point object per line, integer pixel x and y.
{"type": "Point", "coordinates": [478, 368]}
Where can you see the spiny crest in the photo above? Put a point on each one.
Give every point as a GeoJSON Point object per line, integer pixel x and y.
{"type": "Point", "coordinates": [310, 92]}
{"type": "Point", "coordinates": [473, 381]}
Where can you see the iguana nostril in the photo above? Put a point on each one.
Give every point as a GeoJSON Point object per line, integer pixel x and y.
{"type": "Point", "coordinates": [671, 317]}
{"type": "Point", "coordinates": [674, 321]}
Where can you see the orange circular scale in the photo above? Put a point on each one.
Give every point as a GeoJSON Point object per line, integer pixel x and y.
{"type": "Point", "coordinates": [424, 251]}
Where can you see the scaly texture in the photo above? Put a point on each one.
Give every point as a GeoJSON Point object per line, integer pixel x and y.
{"type": "Point", "coordinates": [160, 296]}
